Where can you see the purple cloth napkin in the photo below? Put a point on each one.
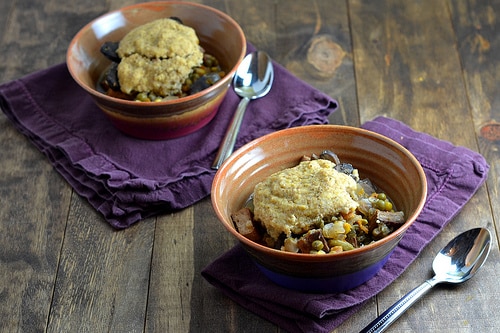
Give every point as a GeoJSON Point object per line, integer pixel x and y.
{"type": "Point", "coordinates": [453, 175]}
{"type": "Point", "coordinates": [127, 179]}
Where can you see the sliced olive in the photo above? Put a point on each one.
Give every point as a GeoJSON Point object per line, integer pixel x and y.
{"type": "Point", "coordinates": [109, 50]}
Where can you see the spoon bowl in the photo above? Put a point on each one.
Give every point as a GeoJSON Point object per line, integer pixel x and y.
{"type": "Point", "coordinates": [456, 263]}
{"type": "Point", "coordinates": [253, 79]}
{"type": "Point", "coordinates": [254, 76]}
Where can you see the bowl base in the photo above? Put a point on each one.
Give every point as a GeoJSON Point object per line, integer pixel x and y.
{"type": "Point", "coordinates": [335, 284]}
{"type": "Point", "coordinates": [159, 132]}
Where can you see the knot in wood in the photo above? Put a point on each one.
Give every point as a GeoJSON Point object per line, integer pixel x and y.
{"type": "Point", "coordinates": [324, 55]}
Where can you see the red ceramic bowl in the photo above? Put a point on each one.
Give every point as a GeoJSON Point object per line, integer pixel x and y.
{"type": "Point", "coordinates": [385, 162]}
{"type": "Point", "coordinates": [219, 34]}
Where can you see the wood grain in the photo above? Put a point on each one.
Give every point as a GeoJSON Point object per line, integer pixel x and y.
{"type": "Point", "coordinates": [103, 275]}
{"type": "Point", "coordinates": [479, 45]}
{"type": "Point", "coordinates": [414, 71]}
{"type": "Point", "coordinates": [31, 234]}
{"type": "Point", "coordinates": [172, 274]}
{"type": "Point", "coordinates": [432, 64]}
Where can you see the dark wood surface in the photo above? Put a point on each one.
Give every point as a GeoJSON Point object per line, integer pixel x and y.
{"type": "Point", "coordinates": [430, 63]}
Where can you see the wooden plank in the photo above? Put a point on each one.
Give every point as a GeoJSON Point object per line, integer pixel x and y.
{"type": "Point", "coordinates": [34, 199]}
{"type": "Point", "coordinates": [5, 13]}
{"type": "Point", "coordinates": [476, 24]}
{"type": "Point", "coordinates": [31, 232]}
{"type": "Point", "coordinates": [172, 273]}
{"type": "Point", "coordinates": [316, 47]}
{"type": "Point", "coordinates": [479, 45]}
{"type": "Point", "coordinates": [38, 33]}
{"type": "Point", "coordinates": [103, 276]}
{"type": "Point", "coordinates": [408, 68]}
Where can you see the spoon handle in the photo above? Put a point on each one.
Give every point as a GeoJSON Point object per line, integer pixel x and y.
{"type": "Point", "coordinates": [390, 315]}
{"type": "Point", "coordinates": [226, 149]}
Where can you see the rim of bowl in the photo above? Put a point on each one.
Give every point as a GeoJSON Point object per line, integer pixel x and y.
{"type": "Point", "coordinates": [321, 258]}
{"type": "Point", "coordinates": [208, 90]}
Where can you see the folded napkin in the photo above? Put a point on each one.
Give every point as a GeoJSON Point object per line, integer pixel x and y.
{"type": "Point", "coordinates": [453, 176]}
{"type": "Point", "coordinates": [128, 179]}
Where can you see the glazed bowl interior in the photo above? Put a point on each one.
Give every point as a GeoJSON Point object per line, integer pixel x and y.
{"type": "Point", "coordinates": [219, 35]}
{"type": "Point", "coordinates": [386, 163]}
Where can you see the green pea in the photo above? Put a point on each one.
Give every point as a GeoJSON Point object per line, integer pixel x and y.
{"type": "Point", "coordinates": [208, 62]}
{"type": "Point", "coordinates": [143, 97]}
{"type": "Point", "coordinates": [317, 245]}
{"type": "Point", "coordinates": [380, 204]}
{"type": "Point", "coordinates": [382, 196]}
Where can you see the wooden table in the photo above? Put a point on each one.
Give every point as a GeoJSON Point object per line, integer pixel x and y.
{"type": "Point", "coordinates": [432, 64]}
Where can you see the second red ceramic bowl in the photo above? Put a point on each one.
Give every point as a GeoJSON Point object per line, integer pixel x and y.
{"type": "Point", "coordinates": [219, 35]}
{"type": "Point", "coordinates": [386, 163]}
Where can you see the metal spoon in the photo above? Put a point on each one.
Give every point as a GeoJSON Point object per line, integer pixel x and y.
{"type": "Point", "coordinates": [455, 263]}
{"type": "Point", "coordinates": [253, 79]}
